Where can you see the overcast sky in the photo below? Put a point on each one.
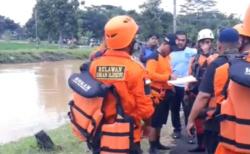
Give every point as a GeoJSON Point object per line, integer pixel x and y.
{"type": "Point", "coordinates": [21, 10]}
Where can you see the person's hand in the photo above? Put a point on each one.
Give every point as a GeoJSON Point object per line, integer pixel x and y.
{"type": "Point", "coordinates": [173, 77]}
{"type": "Point", "coordinates": [187, 88]}
{"type": "Point", "coordinates": [190, 128]}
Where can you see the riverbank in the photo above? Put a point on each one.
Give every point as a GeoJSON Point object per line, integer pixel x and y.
{"type": "Point", "coordinates": [22, 52]}
{"type": "Point", "coordinates": [65, 143]}
{"type": "Point", "coordinates": [30, 57]}
{"type": "Point", "coordinates": [68, 144]}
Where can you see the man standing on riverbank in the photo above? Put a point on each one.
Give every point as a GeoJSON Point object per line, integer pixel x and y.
{"type": "Point", "coordinates": [180, 58]}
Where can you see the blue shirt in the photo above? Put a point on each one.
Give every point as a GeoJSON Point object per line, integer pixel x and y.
{"type": "Point", "coordinates": [180, 61]}
{"type": "Point", "coordinates": [146, 52]}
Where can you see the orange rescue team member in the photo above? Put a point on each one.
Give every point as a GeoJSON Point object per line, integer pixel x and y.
{"type": "Point", "coordinates": [118, 68]}
{"type": "Point", "coordinates": [159, 71]}
{"type": "Point", "coordinates": [212, 88]}
{"type": "Point", "coordinates": [235, 115]}
{"type": "Point", "coordinates": [198, 66]}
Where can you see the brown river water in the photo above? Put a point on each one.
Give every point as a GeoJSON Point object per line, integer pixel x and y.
{"type": "Point", "coordinates": [33, 97]}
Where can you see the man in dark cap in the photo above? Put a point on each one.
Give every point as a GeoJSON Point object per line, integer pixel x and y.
{"type": "Point", "coordinates": [211, 90]}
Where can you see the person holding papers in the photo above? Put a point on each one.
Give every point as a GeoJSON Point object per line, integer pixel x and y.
{"type": "Point", "coordinates": [180, 59]}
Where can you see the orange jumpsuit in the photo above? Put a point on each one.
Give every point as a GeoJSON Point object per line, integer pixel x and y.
{"type": "Point", "coordinates": [159, 71]}
{"type": "Point", "coordinates": [127, 75]}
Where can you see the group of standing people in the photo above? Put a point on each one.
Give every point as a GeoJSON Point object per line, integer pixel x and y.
{"type": "Point", "coordinates": [215, 106]}
{"type": "Point", "coordinates": [171, 60]}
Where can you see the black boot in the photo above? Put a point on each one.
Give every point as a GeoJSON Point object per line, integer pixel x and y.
{"type": "Point", "coordinates": [201, 147]}
{"type": "Point", "coordinates": [137, 149]}
{"type": "Point", "coordinates": [160, 146]}
{"type": "Point", "coordinates": [153, 148]}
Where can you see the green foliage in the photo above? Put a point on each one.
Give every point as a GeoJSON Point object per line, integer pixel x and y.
{"type": "Point", "coordinates": [59, 19]}
{"type": "Point", "coordinates": [92, 19]}
{"type": "Point", "coordinates": [153, 19]}
{"type": "Point", "coordinates": [55, 19]}
{"type": "Point", "coordinates": [192, 23]}
{"type": "Point", "coordinates": [8, 27]}
{"type": "Point", "coordinates": [7, 35]}
{"type": "Point", "coordinates": [198, 6]}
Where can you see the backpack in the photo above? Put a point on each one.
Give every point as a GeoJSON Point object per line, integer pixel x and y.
{"type": "Point", "coordinates": [87, 115]}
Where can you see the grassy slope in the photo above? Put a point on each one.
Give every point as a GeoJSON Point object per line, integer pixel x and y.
{"type": "Point", "coordinates": [62, 137]}
{"type": "Point", "coordinates": [19, 52]}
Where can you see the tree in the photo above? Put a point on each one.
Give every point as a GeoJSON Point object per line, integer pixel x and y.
{"type": "Point", "coordinates": [56, 19]}
{"type": "Point", "coordinates": [8, 26]}
{"type": "Point", "coordinates": [198, 6]}
{"type": "Point", "coordinates": [198, 14]}
{"type": "Point", "coordinates": [29, 28]}
{"type": "Point", "coordinates": [63, 13]}
{"type": "Point", "coordinates": [93, 19]}
{"type": "Point", "coordinates": [214, 20]}
{"type": "Point", "coordinates": [154, 20]}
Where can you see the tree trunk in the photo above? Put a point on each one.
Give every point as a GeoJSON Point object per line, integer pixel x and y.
{"type": "Point", "coordinates": [60, 41]}
{"type": "Point", "coordinates": [49, 38]}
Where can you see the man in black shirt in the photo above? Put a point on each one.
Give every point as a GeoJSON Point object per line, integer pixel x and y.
{"type": "Point", "coordinates": [227, 45]}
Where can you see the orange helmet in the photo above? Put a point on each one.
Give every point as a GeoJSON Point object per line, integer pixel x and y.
{"type": "Point", "coordinates": [246, 23]}
{"type": "Point", "coordinates": [120, 32]}
{"type": "Point", "coordinates": [239, 28]}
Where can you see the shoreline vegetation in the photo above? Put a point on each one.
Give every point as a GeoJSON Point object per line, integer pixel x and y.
{"type": "Point", "coordinates": [13, 52]}
{"type": "Point", "coordinates": [65, 143]}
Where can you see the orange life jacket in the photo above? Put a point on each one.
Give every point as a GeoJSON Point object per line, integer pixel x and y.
{"type": "Point", "coordinates": [87, 117]}
{"type": "Point", "coordinates": [220, 84]}
{"type": "Point", "coordinates": [86, 106]}
{"type": "Point", "coordinates": [199, 63]}
{"type": "Point", "coordinates": [235, 114]}
{"type": "Point", "coordinates": [197, 68]}
{"type": "Point", "coordinates": [117, 137]}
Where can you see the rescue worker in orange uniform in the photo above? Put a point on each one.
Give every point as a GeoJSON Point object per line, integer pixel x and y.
{"type": "Point", "coordinates": [159, 71]}
{"type": "Point", "coordinates": [235, 128]}
{"type": "Point", "coordinates": [116, 67]}
{"type": "Point", "coordinates": [211, 90]}
{"type": "Point", "coordinates": [197, 68]}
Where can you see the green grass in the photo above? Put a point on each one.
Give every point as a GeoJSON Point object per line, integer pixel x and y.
{"type": "Point", "coordinates": [24, 52]}
{"type": "Point", "coordinates": [65, 143]}
{"type": "Point", "coordinates": [24, 45]}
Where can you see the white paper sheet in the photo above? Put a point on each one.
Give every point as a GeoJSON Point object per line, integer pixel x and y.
{"type": "Point", "coordinates": [183, 80]}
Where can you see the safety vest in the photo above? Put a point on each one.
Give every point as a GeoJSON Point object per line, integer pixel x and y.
{"type": "Point", "coordinates": [197, 68]}
{"type": "Point", "coordinates": [235, 114]}
{"type": "Point", "coordinates": [88, 120]}
{"type": "Point", "coordinates": [220, 84]}
{"type": "Point", "coordinates": [199, 64]}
